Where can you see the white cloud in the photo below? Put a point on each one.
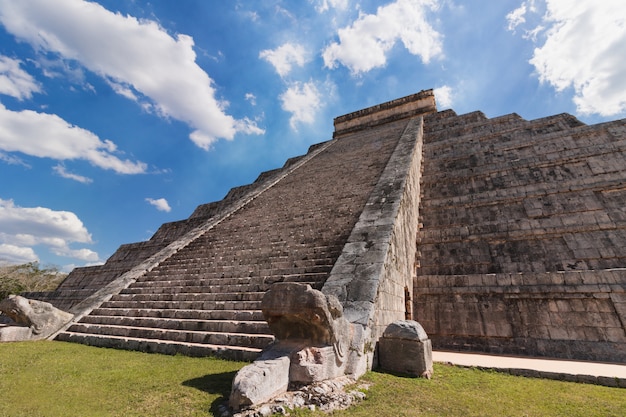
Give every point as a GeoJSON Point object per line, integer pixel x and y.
{"type": "Point", "coordinates": [12, 254]}
{"type": "Point", "coordinates": [62, 172]}
{"type": "Point", "coordinates": [13, 160]}
{"type": "Point", "coordinates": [123, 90]}
{"type": "Point", "coordinates": [251, 98]}
{"type": "Point", "coordinates": [516, 17]}
{"type": "Point", "coordinates": [129, 52]}
{"type": "Point", "coordinates": [302, 100]}
{"type": "Point", "coordinates": [14, 81]}
{"type": "Point", "coordinates": [48, 136]}
{"type": "Point", "coordinates": [444, 97]}
{"type": "Point", "coordinates": [161, 204]}
{"type": "Point", "coordinates": [584, 48]}
{"type": "Point", "coordinates": [325, 5]}
{"type": "Point", "coordinates": [24, 227]}
{"type": "Point", "coordinates": [283, 57]}
{"type": "Point", "coordinates": [364, 45]}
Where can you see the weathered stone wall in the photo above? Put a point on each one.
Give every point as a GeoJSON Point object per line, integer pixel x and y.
{"type": "Point", "coordinates": [575, 315]}
{"type": "Point", "coordinates": [399, 268]}
{"type": "Point", "coordinates": [512, 210]}
{"type": "Point", "coordinates": [376, 266]}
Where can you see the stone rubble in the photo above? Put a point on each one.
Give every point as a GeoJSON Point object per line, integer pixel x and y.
{"type": "Point", "coordinates": [327, 396]}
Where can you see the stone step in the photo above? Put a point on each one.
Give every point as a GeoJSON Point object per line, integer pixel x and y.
{"type": "Point", "coordinates": [257, 341]}
{"type": "Point", "coordinates": [481, 127]}
{"type": "Point", "coordinates": [237, 270]}
{"type": "Point", "coordinates": [166, 347]}
{"type": "Point", "coordinates": [481, 165]}
{"type": "Point", "coordinates": [268, 254]}
{"type": "Point", "coordinates": [189, 289]}
{"type": "Point", "coordinates": [228, 284]}
{"type": "Point", "coordinates": [222, 326]}
{"type": "Point", "coordinates": [207, 296]}
{"type": "Point", "coordinates": [292, 232]}
{"type": "Point", "coordinates": [200, 280]}
{"type": "Point", "coordinates": [234, 315]}
{"type": "Point", "coordinates": [185, 305]}
{"type": "Point", "coordinates": [499, 132]}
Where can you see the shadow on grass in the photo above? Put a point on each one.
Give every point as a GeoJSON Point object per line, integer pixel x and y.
{"type": "Point", "coordinates": [214, 384]}
{"type": "Point", "coordinates": [396, 374]}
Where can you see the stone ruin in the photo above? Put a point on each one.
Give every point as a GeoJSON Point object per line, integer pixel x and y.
{"type": "Point", "coordinates": [30, 319]}
{"type": "Point", "coordinates": [497, 235]}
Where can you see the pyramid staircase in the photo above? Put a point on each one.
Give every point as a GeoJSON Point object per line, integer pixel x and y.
{"type": "Point", "coordinates": [203, 296]}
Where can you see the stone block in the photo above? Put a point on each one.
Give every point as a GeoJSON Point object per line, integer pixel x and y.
{"type": "Point", "coordinates": [259, 382]}
{"type": "Point", "coordinates": [405, 348]}
{"type": "Point", "coordinates": [33, 319]}
{"type": "Point", "coordinates": [15, 333]}
{"type": "Point", "coordinates": [314, 364]}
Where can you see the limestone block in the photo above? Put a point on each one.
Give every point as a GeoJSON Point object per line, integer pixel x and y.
{"type": "Point", "coordinates": [15, 333]}
{"type": "Point", "coordinates": [33, 319]}
{"type": "Point", "coordinates": [260, 381]}
{"type": "Point", "coordinates": [406, 348]}
{"type": "Point", "coordinates": [315, 364]}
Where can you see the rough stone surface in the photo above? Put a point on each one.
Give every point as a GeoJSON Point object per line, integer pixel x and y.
{"type": "Point", "coordinates": [405, 330]}
{"type": "Point", "coordinates": [314, 343]}
{"type": "Point", "coordinates": [524, 236]}
{"type": "Point", "coordinates": [327, 396]}
{"type": "Point", "coordinates": [374, 273]}
{"type": "Point", "coordinates": [517, 226]}
{"type": "Point", "coordinates": [201, 294]}
{"type": "Point", "coordinates": [32, 319]}
{"type": "Point", "coordinates": [296, 311]}
{"type": "Point", "coordinates": [405, 348]}
{"type": "Point", "coordinates": [261, 381]}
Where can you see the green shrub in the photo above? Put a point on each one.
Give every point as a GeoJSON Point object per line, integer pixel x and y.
{"type": "Point", "coordinates": [9, 285]}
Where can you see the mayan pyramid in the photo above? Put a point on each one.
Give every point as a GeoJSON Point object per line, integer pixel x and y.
{"type": "Point", "coordinates": [499, 235]}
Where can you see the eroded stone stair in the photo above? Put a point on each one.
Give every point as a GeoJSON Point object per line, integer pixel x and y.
{"type": "Point", "coordinates": [205, 298]}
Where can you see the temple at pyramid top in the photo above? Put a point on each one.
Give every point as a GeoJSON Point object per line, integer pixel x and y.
{"type": "Point", "coordinates": [410, 106]}
{"type": "Point", "coordinates": [499, 235]}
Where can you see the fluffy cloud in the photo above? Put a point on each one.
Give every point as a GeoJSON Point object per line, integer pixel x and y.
{"type": "Point", "coordinates": [325, 5]}
{"type": "Point", "coordinates": [302, 100]}
{"type": "Point", "coordinates": [12, 254]}
{"type": "Point", "coordinates": [584, 43]}
{"type": "Point", "coordinates": [443, 96]}
{"type": "Point", "coordinates": [24, 227]}
{"type": "Point", "coordinates": [161, 204]}
{"type": "Point", "coordinates": [14, 81]}
{"type": "Point", "coordinates": [364, 45]}
{"type": "Point", "coordinates": [518, 16]}
{"type": "Point", "coordinates": [283, 57]}
{"type": "Point", "coordinates": [139, 56]}
{"type": "Point", "coordinates": [23, 132]}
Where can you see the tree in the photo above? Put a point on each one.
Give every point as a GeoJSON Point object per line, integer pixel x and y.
{"type": "Point", "coordinates": [15, 279]}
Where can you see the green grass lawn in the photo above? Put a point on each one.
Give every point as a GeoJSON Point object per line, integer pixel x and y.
{"type": "Point", "coordinates": [64, 379]}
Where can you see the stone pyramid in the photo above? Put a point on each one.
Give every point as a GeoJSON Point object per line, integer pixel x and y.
{"type": "Point", "coordinates": [498, 235]}
{"type": "Point", "coordinates": [195, 287]}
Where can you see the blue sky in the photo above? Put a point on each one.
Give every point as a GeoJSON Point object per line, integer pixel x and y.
{"type": "Point", "coordinates": [116, 117]}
